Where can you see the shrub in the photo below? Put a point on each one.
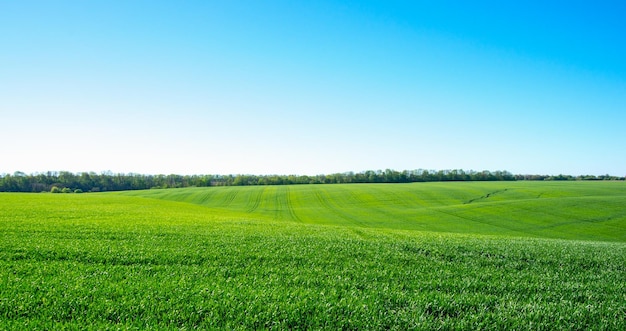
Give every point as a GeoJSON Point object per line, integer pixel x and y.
{"type": "Point", "coordinates": [66, 190]}
{"type": "Point", "coordinates": [55, 190]}
{"type": "Point", "coordinates": [78, 190]}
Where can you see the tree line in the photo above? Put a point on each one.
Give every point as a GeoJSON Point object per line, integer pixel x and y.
{"type": "Point", "coordinates": [64, 181]}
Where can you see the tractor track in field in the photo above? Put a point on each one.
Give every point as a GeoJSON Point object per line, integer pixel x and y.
{"type": "Point", "coordinates": [395, 197]}
{"type": "Point", "coordinates": [599, 220]}
{"type": "Point", "coordinates": [277, 205]}
{"type": "Point", "coordinates": [335, 209]}
{"type": "Point", "coordinates": [486, 196]}
{"type": "Point", "coordinates": [281, 202]}
{"type": "Point", "coordinates": [575, 220]}
{"type": "Point", "coordinates": [290, 209]}
{"type": "Point", "coordinates": [284, 207]}
{"type": "Point", "coordinates": [381, 211]}
{"type": "Point", "coordinates": [257, 201]}
{"type": "Point", "coordinates": [206, 197]}
{"type": "Point", "coordinates": [230, 197]}
{"type": "Point", "coordinates": [439, 210]}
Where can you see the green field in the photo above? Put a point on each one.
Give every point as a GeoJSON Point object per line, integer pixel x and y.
{"type": "Point", "coordinates": [572, 210]}
{"type": "Point", "coordinates": [466, 255]}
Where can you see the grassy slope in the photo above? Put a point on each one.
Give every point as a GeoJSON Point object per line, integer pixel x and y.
{"type": "Point", "coordinates": [233, 260]}
{"type": "Point", "coordinates": [568, 210]}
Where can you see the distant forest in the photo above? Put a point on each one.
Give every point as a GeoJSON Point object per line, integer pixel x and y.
{"type": "Point", "coordinates": [64, 181]}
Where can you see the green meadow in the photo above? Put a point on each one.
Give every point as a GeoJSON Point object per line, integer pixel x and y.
{"type": "Point", "coordinates": [454, 255]}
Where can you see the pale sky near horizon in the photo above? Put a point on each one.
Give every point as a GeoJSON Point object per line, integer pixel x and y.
{"type": "Point", "coordinates": [312, 87]}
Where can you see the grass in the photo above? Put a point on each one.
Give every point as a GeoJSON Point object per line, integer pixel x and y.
{"type": "Point", "coordinates": [317, 257]}
{"type": "Point", "coordinates": [565, 210]}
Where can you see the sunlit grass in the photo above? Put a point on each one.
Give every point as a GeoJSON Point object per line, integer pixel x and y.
{"type": "Point", "coordinates": [112, 261]}
{"type": "Point", "coordinates": [570, 210]}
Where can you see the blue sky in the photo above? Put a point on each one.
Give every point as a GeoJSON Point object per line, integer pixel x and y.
{"type": "Point", "coordinates": [310, 87]}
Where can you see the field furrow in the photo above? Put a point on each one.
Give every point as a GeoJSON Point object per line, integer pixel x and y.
{"type": "Point", "coordinates": [255, 200]}
{"type": "Point", "coordinates": [229, 196]}
{"type": "Point", "coordinates": [291, 206]}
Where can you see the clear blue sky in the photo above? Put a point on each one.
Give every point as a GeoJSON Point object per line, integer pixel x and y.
{"type": "Point", "coordinates": [310, 87]}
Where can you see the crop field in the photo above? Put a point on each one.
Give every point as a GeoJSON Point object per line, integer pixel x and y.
{"type": "Point", "coordinates": [566, 210]}
{"type": "Point", "coordinates": [471, 255]}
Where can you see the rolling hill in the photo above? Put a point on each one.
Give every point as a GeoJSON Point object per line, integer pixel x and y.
{"type": "Point", "coordinates": [515, 255]}
{"type": "Point", "coordinates": [568, 210]}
